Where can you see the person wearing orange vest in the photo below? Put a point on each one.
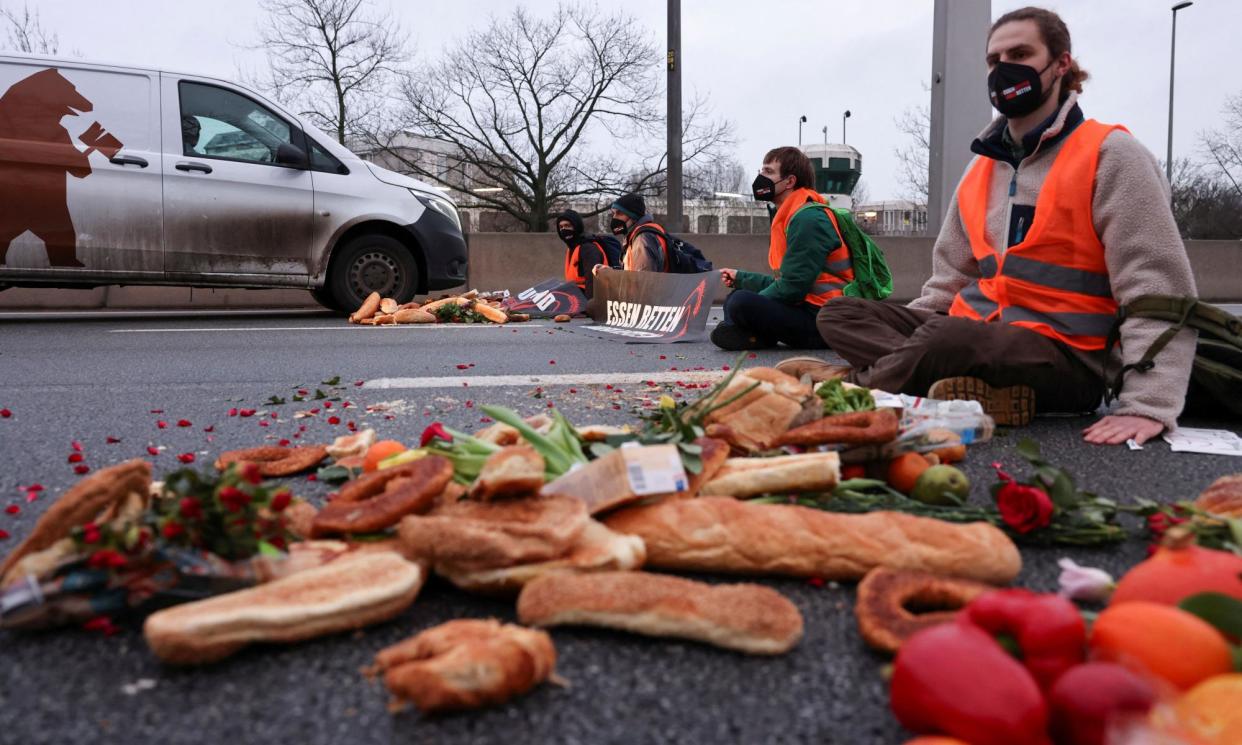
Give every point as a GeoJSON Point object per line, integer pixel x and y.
{"type": "Point", "coordinates": [1058, 221]}
{"type": "Point", "coordinates": [582, 252]}
{"type": "Point", "coordinates": [810, 263]}
{"type": "Point", "coordinates": [645, 250]}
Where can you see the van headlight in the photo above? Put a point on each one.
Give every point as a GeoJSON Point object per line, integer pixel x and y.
{"type": "Point", "coordinates": [439, 204]}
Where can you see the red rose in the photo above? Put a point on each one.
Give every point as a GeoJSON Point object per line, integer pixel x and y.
{"type": "Point", "coordinates": [191, 509]}
{"type": "Point", "coordinates": [252, 473]}
{"type": "Point", "coordinates": [172, 530]}
{"type": "Point", "coordinates": [280, 501]}
{"type": "Point", "coordinates": [1024, 508]}
{"type": "Point", "coordinates": [233, 499]}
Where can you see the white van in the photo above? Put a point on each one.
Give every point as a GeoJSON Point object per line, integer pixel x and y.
{"type": "Point", "coordinates": [119, 175]}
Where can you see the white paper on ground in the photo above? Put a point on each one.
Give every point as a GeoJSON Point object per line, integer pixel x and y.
{"type": "Point", "coordinates": [1209, 441]}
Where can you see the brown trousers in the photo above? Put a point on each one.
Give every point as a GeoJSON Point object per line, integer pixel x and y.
{"type": "Point", "coordinates": [903, 350]}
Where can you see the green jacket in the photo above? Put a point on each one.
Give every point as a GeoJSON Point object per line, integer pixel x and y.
{"type": "Point", "coordinates": [810, 239]}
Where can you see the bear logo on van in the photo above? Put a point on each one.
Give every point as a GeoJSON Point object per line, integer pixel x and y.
{"type": "Point", "coordinates": [36, 153]}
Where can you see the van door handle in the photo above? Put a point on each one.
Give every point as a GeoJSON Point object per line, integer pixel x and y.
{"type": "Point", "coordinates": [129, 160]}
{"type": "Point", "coordinates": [192, 166]}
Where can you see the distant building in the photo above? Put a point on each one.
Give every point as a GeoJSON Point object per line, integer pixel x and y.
{"type": "Point", "coordinates": [893, 217]}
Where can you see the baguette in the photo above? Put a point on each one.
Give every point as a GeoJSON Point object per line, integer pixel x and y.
{"type": "Point", "coordinates": [367, 309]}
{"type": "Point", "coordinates": [388, 306]}
{"type": "Point", "coordinates": [348, 593]}
{"type": "Point", "coordinates": [465, 664]}
{"type": "Point", "coordinates": [748, 477]}
{"type": "Point", "coordinates": [747, 618]}
{"type": "Point", "coordinates": [719, 534]}
{"type": "Point", "coordinates": [855, 428]}
{"type": "Point", "coordinates": [429, 307]}
{"type": "Point", "coordinates": [413, 315]}
{"type": "Point", "coordinates": [495, 315]}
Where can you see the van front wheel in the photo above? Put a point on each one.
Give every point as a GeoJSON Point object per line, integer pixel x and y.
{"type": "Point", "coordinates": [372, 263]}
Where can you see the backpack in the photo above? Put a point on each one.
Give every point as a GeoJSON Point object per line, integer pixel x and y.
{"type": "Point", "coordinates": [872, 278]}
{"type": "Point", "coordinates": [683, 256]}
{"type": "Point", "coordinates": [610, 245]}
{"type": "Point", "coordinates": [1216, 377]}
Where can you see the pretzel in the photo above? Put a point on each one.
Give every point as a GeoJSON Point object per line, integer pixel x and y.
{"type": "Point", "coordinates": [379, 500]}
{"type": "Point", "coordinates": [275, 461]}
{"type": "Point", "coordinates": [856, 428]}
{"type": "Point", "coordinates": [885, 597]}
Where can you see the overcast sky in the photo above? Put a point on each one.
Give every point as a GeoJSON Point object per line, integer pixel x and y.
{"type": "Point", "coordinates": [762, 64]}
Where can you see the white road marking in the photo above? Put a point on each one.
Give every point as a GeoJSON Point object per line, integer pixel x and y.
{"type": "Point", "coordinates": [406, 326]}
{"type": "Point", "coordinates": [496, 381]}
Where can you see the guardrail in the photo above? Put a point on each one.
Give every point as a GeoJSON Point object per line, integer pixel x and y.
{"type": "Point", "coordinates": [516, 261]}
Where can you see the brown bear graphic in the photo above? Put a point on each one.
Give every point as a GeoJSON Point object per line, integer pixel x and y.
{"type": "Point", "coordinates": [35, 154]}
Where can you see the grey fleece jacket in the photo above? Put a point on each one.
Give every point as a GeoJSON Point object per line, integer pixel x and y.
{"type": "Point", "coordinates": [1142, 249]}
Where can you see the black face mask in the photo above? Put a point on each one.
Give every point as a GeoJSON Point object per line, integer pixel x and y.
{"type": "Point", "coordinates": [763, 188]}
{"type": "Point", "coordinates": [566, 234]}
{"type": "Point", "coordinates": [617, 226]}
{"type": "Point", "coordinates": [1017, 90]}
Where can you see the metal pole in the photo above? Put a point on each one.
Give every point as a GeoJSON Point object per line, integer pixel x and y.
{"type": "Point", "coordinates": [674, 116]}
{"type": "Point", "coordinates": [1168, 158]}
{"type": "Point", "coordinates": [801, 121]}
{"type": "Point", "coordinates": [825, 135]}
{"type": "Point", "coordinates": [844, 116]}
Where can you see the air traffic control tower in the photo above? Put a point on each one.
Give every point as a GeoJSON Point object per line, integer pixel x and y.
{"type": "Point", "coordinates": [837, 170]}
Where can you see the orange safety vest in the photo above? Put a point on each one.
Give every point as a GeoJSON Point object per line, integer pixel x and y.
{"type": "Point", "coordinates": [627, 263]}
{"type": "Point", "coordinates": [571, 267]}
{"type": "Point", "coordinates": [1054, 282]}
{"type": "Point", "coordinates": [838, 269]}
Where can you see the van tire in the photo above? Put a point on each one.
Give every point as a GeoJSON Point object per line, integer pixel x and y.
{"type": "Point", "coordinates": [372, 263]}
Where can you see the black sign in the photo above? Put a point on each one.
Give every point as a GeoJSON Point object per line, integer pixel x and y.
{"type": "Point", "coordinates": [651, 307]}
{"type": "Point", "coordinates": [548, 299]}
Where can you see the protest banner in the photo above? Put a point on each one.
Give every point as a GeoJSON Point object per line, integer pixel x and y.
{"type": "Point", "coordinates": [651, 307]}
{"type": "Point", "coordinates": [548, 299]}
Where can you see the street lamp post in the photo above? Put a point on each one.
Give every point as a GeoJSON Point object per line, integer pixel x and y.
{"type": "Point", "coordinates": [801, 121]}
{"type": "Point", "coordinates": [825, 135]}
{"type": "Point", "coordinates": [844, 116]}
{"type": "Point", "coordinates": [674, 116]}
{"type": "Point", "coordinates": [1168, 158]}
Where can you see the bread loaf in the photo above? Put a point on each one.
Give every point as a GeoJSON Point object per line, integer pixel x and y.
{"type": "Point", "coordinates": [348, 593]}
{"type": "Point", "coordinates": [719, 534]}
{"type": "Point", "coordinates": [745, 617]}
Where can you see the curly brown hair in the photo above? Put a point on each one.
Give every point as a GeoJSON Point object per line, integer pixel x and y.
{"type": "Point", "coordinates": [1056, 37]}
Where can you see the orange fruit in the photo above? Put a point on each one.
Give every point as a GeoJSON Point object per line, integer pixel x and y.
{"type": "Point", "coordinates": [1210, 710]}
{"type": "Point", "coordinates": [1174, 574]}
{"type": "Point", "coordinates": [1162, 640]}
{"type": "Point", "coordinates": [380, 451]}
{"type": "Point", "coordinates": [904, 471]}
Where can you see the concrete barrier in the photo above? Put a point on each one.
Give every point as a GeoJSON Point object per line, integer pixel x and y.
{"type": "Point", "coordinates": [515, 261]}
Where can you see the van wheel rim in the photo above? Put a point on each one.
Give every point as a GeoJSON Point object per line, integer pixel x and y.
{"type": "Point", "coordinates": [375, 272]}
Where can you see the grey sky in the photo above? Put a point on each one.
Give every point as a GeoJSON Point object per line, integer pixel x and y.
{"type": "Point", "coordinates": [762, 64]}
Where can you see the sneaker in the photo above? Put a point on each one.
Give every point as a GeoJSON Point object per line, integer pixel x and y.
{"type": "Point", "coordinates": [733, 339]}
{"type": "Point", "coordinates": [812, 368]}
{"type": "Point", "coordinates": [1011, 406]}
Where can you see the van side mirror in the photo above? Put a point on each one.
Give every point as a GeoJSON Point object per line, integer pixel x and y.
{"type": "Point", "coordinates": [290, 155]}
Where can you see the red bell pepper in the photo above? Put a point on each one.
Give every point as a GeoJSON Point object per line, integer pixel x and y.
{"type": "Point", "coordinates": [1048, 629]}
{"type": "Point", "coordinates": [955, 679]}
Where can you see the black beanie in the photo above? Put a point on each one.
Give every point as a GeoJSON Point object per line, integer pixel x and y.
{"type": "Point", "coordinates": [632, 205]}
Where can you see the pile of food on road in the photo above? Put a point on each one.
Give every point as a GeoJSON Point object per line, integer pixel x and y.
{"type": "Point", "coordinates": [468, 307]}
{"type": "Point", "coordinates": [765, 475]}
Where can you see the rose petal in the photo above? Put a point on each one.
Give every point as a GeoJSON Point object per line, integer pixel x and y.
{"type": "Point", "coordinates": [551, 362]}
{"type": "Point", "coordinates": [152, 450]}
{"type": "Point", "coordinates": [263, 423]}
{"type": "Point", "coordinates": [5, 413]}
{"type": "Point", "coordinates": [161, 424]}
{"type": "Point", "coordinates": [157, 411]}
{"type": "Point", "coordinates": [334, 420]}
{"type": "Point", "coordinates": [112, 440]}
{"type": "Point", "coordinates": [245, 412]}
{"type": "Point", "coordinates": [81, 469]}
{"type": "Point", "coordinates": [12, 509]}
{"type": "Point", "coordinates": [186, 457]}
{"type": "Point", "coordinates": [358, 383]}
{"type": "Point", "coordinates": [31, 496]}
{"type": "Point", "coordinates": [327, 404]}
{"type": "Point", "coordinates": [35, 487]}
{"type": "Point", "coordinates": [184, 423]}
{"type": "Point", "coordinates": [75, 458]}
{"type": "Point", "coordinates": [232, 412]}
{"type": "Point", "coordinates": [77, 446]}
{"type": "Point", "coordinates": [4, 535]}
{"type": "Point", "coordinates": [209, 428]}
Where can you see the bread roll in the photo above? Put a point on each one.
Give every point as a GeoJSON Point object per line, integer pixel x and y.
{"type": "Point", "coordinates": [466, 664]}
{"type": "Point", "coordinates": [885, 598]}
{"type": "Point", "coordinates": [512, 471]}
{"type": "Point", "coordinates": [747, 618]}
{"type": "Point", "coordinates": [348, 593]}
{"type": "Point", "coordinates": [719, 534]}
{"type": "Point", "coordinates": [1223, 497]}
{"type": "Point", "coordinates": [748, 477]}
{"type": "Point", "coordinates": [597, 549]}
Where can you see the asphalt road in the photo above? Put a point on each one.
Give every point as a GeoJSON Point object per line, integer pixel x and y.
{"type": "Point", "coordinates": [89, 380]}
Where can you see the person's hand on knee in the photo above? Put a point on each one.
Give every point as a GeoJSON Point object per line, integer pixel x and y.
{"type": "Point", "coordinates": [1116, 429]}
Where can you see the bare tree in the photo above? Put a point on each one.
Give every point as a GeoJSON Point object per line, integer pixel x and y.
{"type": "Point", "coordinates": [545, 111]}
{"type": "Point", "coordinates": [334, 61]}
{"type": "Point", "coordinates": [1223, 147]}
{"type": "Point", "coordinates": [25, 32]}
{"type": "Point", "coordinates": [861, 194]}
{"type": "Point", "coordinates": [1206, 206]}
{"type": "Point", "coordinates": [915, 124]}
